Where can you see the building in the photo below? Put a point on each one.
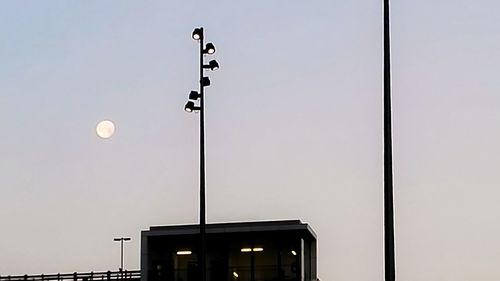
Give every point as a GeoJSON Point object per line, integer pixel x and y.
{"type": "Point", "coordinates": [246, 251]}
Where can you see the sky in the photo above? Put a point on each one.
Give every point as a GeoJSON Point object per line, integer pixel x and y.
{"type": "Point", "coordinates": [293, 129]}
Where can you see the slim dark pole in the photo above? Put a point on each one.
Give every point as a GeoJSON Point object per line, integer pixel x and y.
{"type": "Point", "coordinates": [121, 255]}
{"type": "Point", "coordinates": [202, 252]}
{"type": "Point", "coordinates": [390, 266]}
{"type": "Point", "coordinates": [121, 240]}
{"type": "Point", "coordinates": [190, 106]}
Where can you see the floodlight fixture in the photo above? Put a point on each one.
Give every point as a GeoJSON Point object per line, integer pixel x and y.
{"type": "Point", "coordinates": [194, 95]}
{"type": "Point", "coordinates": [197, 33]}
{"type": "Point", "coordinates": [190, 107]}
{"type": "Point", "coordinates": [212, 65]}
{"type": "Point", "coordinates": [205, 81]}
{"type": "Point", "coordinates": [209, 49]}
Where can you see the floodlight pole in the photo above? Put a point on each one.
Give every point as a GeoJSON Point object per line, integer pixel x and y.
{"type": "Point", "coordinates": [390, 266]}
{"type": "Point", "coordinates": [198, 35]}
{"type": "Point", "coordinates": [202, 253]}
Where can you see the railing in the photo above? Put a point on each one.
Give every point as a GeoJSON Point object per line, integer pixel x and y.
{"type": "Point", "coordinates": [132, 275]}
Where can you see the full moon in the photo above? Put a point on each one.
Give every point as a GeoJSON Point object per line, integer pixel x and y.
{"type": "Point", "coordinates": [105, 129]}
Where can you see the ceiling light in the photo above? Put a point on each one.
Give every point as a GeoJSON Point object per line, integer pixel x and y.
{"type": "Point", "coordinates": [184, 253]}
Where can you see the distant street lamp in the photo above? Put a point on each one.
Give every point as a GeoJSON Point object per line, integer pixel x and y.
{"type": "Point", "coordinates": [121, 239]}
{"type": "Point", "coordinates": [190, 106]}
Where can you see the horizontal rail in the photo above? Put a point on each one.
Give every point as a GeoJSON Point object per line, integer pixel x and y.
{"type": "Point", "coordinates": [77, 276]}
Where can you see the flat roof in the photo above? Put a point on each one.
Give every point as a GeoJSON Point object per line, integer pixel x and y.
{"type": "Point", "coordinates": [232, 227]}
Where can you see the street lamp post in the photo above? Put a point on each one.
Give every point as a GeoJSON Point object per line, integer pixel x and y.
{"type": "Point", "coordinates": [121, 240]}
{"type": "Point", "coordinates": [204, 81]}
{"type": "Point", "coordinates": [390, 262]}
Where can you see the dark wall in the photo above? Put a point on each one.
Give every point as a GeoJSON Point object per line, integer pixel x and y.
{"type": "Point", "coordinates": [274, 256]}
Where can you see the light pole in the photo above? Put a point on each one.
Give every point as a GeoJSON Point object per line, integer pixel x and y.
{"type": "Point", "coordinates": [121, 240]}
{"type": "Point", "coordinates": [209, 48]}
{"type": "Point", "coordinates": [390, 262]}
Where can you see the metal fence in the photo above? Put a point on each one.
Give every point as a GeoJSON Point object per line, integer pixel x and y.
{"type": "Point", "coordinates": [132, 275]}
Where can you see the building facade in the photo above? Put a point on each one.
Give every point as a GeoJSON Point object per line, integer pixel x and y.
{"type": "Point", "coordinates": [246, 251]}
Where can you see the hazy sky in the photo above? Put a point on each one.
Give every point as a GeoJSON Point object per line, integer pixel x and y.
{"type": "Point", "coordinates": [294, 129]}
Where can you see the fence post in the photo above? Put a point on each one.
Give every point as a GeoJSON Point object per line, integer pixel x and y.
{"type": "Point", "coordinates": [25, 277]}
{"type": "Point", "coordinates": [58, 276]}
{"type": "Point", "coordinates": [91, 275]}
{"type": "Point", "coordinates": [75, 278]}
{"type": "Point", "coordinates": [108, 275]}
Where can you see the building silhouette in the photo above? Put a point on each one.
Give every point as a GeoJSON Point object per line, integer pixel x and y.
{"type": "Point", "coordinates": [244, 251]}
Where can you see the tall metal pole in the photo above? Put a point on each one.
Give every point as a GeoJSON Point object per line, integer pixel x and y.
{"type": "Point", "coordinates": [390, 266]}
{"type": "Point", "coordinates": [202, 252]}
{"type": "Point", "coordinates": [121, 240]}
{"type": "Point", "coordinates": [121, 255]}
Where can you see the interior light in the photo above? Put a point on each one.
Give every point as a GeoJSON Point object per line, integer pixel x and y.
{"type": "Point", "coordinates": [235, 274]}
{"type": "Point", "coordinates": [197, 33]}
{"type": "Point", "coordinates": [294, 253]}
{"type": "Point", "coordinates": [184, 253]}
{"type": "Point", "coordinates": [246, 250]}
{"type": "Point", "coordinates": [209, 48]}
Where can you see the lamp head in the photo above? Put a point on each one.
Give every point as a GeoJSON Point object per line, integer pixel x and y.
{"type": "Point", "coordinates": [194, 95]}
{"type": "Point", "coordinates": [212, 65]}
{"type": "Point", "coordinates": [209, 49]}
{"type": "Point", "coordinates": [205, 81]}
{"type": "Point", "coordinates": [197, 33]}
{"type": "Point", "coordinates": [189, 107]}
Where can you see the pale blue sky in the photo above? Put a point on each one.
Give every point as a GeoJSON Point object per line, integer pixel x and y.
{"type": "Point", "coordinates": [294, 129]}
